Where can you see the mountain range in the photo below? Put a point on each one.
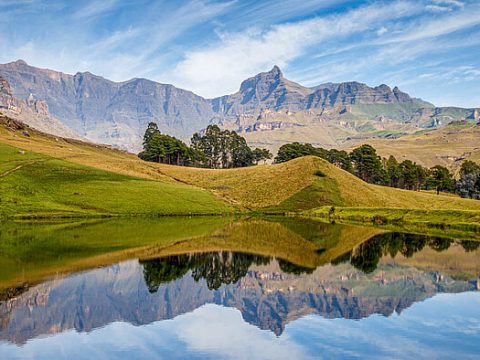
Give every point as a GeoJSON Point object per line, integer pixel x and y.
{"type": "Point", "coordinates": [268, 109]}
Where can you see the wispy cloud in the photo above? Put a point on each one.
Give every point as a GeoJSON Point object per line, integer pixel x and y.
{"type": "Point", "coordinates": [220, 68]}
{"type": "Point", "coordinates": [95, 8]}
{"type": "Point", "coordinates": [210, 46]}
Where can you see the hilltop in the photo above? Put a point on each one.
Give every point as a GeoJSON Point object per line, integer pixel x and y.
{"type": "Point", "coordinates": [44, 175]}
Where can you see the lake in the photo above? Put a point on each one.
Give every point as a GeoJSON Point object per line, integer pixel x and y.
{"type": "Point", "coordinates": [235, 288]}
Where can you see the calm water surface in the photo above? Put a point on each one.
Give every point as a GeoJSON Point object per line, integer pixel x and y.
{"type": "Point", "coordinates": [235, 289]}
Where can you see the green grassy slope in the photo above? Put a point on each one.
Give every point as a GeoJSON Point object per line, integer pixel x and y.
{"type": "Point", "coordinates": [60, 176]}
{"type": "Point", "coordinates": [37, 185]}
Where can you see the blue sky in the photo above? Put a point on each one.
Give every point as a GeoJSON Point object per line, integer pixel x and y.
{"type": "Point", "coordinates": [429, 48]}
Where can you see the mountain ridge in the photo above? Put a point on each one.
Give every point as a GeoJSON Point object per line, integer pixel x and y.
{"type": "Point", "coordinates": [117, 113]}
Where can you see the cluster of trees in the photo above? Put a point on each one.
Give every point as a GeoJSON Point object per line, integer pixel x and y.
{"type": "Point", "coordinates": [216, 268]}
{"type": "Point", "coordinates": [166, 149]}
{"type": "Point", "coordinates": [225, 149]}
{"type": "Point", "coordinates": [215, 149]}
{"type": "Point", "coordinates": [365, 163]}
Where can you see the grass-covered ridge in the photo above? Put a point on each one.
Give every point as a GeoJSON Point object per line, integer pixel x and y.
{"type": "Point", "coordinates": [36, 185]}
{"type": "Point", "coordinates": [43, 175]}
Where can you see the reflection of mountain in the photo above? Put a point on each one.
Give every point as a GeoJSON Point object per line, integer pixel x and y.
{"type": "Point", "coordinates": [266, 296]}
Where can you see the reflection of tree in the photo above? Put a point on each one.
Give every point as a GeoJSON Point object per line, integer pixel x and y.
{"type": "Point", "coordinates": [216, 268]}
{"type": "Point", "coordinates": [290, 268]}
{"type": "Point", "coordinates": [164, 270]}
{"type": "Point", "coordinates": [440, 244]}
{"type": "Point", "coordinates": [223, 267]}
{"type": "Point", "coordinates": [368, 254]}
{"type": "Point", "coordinates": [470, 245]}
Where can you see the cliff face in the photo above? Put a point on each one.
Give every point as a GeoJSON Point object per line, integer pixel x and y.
{"type": "Point", "coordinates": [266, 296]}
{"type": "Point", "coordinates": [118, 113]}
{"type": "Point", "coordinates": [31, 111]}
{"type": "Point", "coordinates": [108, 112]}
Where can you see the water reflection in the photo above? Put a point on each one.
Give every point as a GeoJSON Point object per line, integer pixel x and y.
{"type": "Point", "coordinates": [272, 272]}
{"type": "Point", "coordinates": [368, 254]}
{"type": "Point", "coordinates": [217, 268]}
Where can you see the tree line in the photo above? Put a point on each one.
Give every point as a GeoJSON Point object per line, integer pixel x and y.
{"type": "Point", "coordinates": [365, 163]}
{"type": "Point", "coordinates": [215, 148]}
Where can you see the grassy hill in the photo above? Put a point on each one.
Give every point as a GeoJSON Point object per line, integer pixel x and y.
{"type": "Point", "coordinates": [43, 175]}
{"type": "Point", "coordinates": [447, 146]}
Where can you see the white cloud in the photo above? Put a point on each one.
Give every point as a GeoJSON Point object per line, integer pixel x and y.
{"type": "Point", "coordinates": [219, 69]}
{"type": "Point", "coordinates": [382, 31]}
{"type": "Point", "coordinates": [222, 333]}
{"type": "Point", "coordinates": [437, 8]}
{"type": "Point", "coordinates": [95, 8]}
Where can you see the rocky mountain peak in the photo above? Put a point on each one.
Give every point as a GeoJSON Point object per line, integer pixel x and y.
{"type": "Point", "coordinates": [264, 81]}
{"type": "Point", "coordinates": [276, 71]}
{"type": "Point", "coordinates": [21, 62]}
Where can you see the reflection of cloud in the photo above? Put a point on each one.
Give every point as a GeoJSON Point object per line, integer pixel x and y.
{"type": "Point", "coordinates": [447, 326]}
{"type": "Point", "coordinates": [223, 333]}
{"type": "Point", "coordinates": [444, 326]}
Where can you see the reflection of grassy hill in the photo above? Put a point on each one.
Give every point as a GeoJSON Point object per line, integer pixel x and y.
{"type": "Point", "coordinates": [454, 261]}
{"type": "Point", "coordinates": [29, 252]}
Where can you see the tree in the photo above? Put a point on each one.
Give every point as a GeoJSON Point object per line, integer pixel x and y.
{"type": "Point", "coordinates": [152, 129]}
{"type": "Point", "coordinates": [367, 164]}
{"type": "Point", "coordinates": [261, 155]}
{"type": "Point", "coordinates": [240, 153]}
{"type": "Point", "coordinates": [469, 176]}
{"type": "Point", "coordinates": [340, 158]}
{"type": "Point", "coordinates": [441, 179]}
{"type": "Point", "coordinates": [409, 175]}
{"type": "Point", "coordinates": [394, 172]}
{"type": "Point", "coordinates": [295, 150]}
{"type": "Point", "coordinates": [218, 148]}
{"type": "Point", "coordinates": [422, 175]}
{"type": "Point", "coordinates": [162, 148]}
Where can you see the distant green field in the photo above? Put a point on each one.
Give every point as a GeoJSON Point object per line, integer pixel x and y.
{"type": "Point", "coordinates": [35, 185]}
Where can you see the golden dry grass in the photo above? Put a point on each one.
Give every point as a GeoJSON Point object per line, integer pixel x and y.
{"type": "Point", "coordinates": [251, 187]}
{"type": "Point", "coordinates": [83, 153]}
{"type": "Point", "coordinates": [429, 148]}
{"type": "Point", "coordinates": [263, 186]}
{"type": "Point", "coordinates": [357, 193]}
